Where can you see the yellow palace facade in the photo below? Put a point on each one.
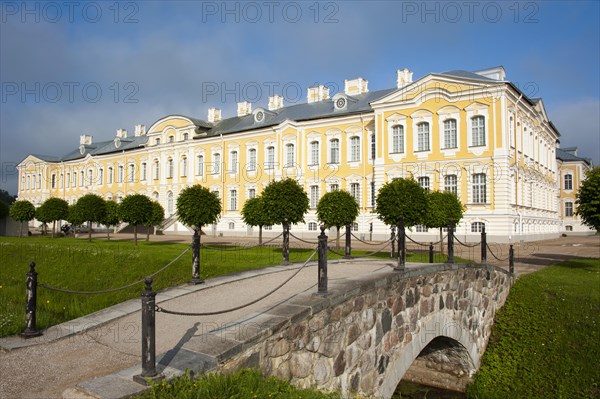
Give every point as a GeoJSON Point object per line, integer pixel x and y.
{"type": "Point", "coordinates": [473, 133]}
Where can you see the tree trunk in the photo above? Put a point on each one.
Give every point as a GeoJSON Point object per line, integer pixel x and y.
{"type": "Point", "coordinates": [147, 233]}
{"type": "Point", "coordinates": [337, 238]}
{"type": "Point", "coordinates": [441, 240]}
{"type": "Point", "coordinates": [135, 234]}
{"type": "Point", "coordinates": [108, 233]}
{"type": "Point", "coordinates": [259, 235]}
{"type": "Point", "coordinates": [21, 230]}
{"type": "Point", "coordinates": [53, 228]}
{"type": "Point", "coordinates": [90, 231]}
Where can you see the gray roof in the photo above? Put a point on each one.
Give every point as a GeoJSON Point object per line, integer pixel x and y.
{"type": "Point", "coordinates": [101, 147]}
{"type": "Point", "coordinates": [565, 155]}
{"type": "Point", "coordinates": [468, 75]}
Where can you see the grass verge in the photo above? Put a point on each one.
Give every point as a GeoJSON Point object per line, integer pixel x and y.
{"type": "Point", "coordinates": [545, 342]}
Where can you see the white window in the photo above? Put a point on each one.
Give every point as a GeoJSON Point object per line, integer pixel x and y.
{"type": "Point", "coordinates": [183, 166]}
{"type": "Point", "coordinates": [270, 158]}
{"type": "Point", "coordinates": [156, 170]}
{"type": "Point", "coordinates": [267, 227]}
{"type": "Point", "coordinates": [423, 136]}
{"type": "Point", "coordinates": [355, 149]}
{"type": "Point", "coordinates": [144, 171]}
{"type": "Point", "coordinates": [477, 227]}
{"type": "Point", "coordinates": [450, 133]}
{"type": "Point", "coordinates": [511, 132]}
{"type": "Point", "coordinates": [478, 130]}
{"type": "Point", "coordinates": [451, 184]}
{"type": "Point", "coordinates": [479, 188]}
{"type": "Point", "coordinates": [568, 182]}
{"type": "Point", "coordinates": [171, 139]}
{"type": "Point", "coordinates": [233, 200]}
{"type": "Point", "coordinates": [355, 191]}
{"type": "Point", "coordinates": [120, 174]}
{"type": "Point", "coordinates": [251, 193]}
{"type": "Point", "coordinates": [89, 177]}
{"type": "Point", "coordinates": [312, 226]}
{"type": "Point", "coordinates": [424, 182]}
{"type": "Point", "coordinates": [334, 187]}
{"type": "Point", "coordinates": [199, 165]}
{"type": "Point", "coordinates": [53, 181]}
{"type": "Point", "coordinates": [110, 176]}
{"type": "Point", "coordinates": [373, 194]}
{"type": "Point", "coordinates": [170, 203]}
{"type": "Point", "coordinates": [334, 151]}
{"type": "Point", "coordinates": [231, 226]}
{"type": "Point", "coordinates": [216, 163]}
{"type": "Point", "coordinates": [82, 178]}
{"type": "Point", "coordinates": [568, 209]}
{"type": "Point", "coordinates": [421, 229]}
{"type": "Point", "coordinates": [157, 141]}
{"type": "Point", "coordinates": [131, 174]}
{"type": "Point", "coordinates": [373, 147]}
{"type": "Point", "coordinates": [314, 153]}
{"type": "Point", "coordinates": [252, 159]}
{"type": "Point", "coordinates": [170, 168]}
{"type": "Point", "coordinates": [233, 162]}
{"type": "Point", "coordinates": [398, 139]}
{"type": "Point", "coordinates": [185, 136]}
{"type": "Point", "coordinates": [68, 180]}
{"type": "Point", "coordinates": [354, 227]}
{"type": "Point", "coordinates": [314, 196]}
{"type": "Point", "coordinates": [289, 153]}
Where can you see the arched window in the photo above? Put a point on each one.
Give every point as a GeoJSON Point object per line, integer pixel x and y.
{"type": "Point", "coordinates": [131, 173]}
{"type": "Point", "coordinates": [354, 149]}
{"type": "Point", "coordinates": [450, 133]}
{"type": "Point", "coordinates": [423, 136]}
{"type": "Point", "coordinates": [231, 225]}
{"type": "Point", "coordinates": [156, 171]}
{"type": "Point", "coordinates": [451, 184]}
{"type": "Point", "coordinates": [110, 175]}
{"type": "Point", "coordinates": [216, 163]}
{"type": "Point", "coordinates": [183, 166]}
{"type": "Point", "coordinates": [314, 153]}
{"type": "Point", "coordinates": [251, 159]}
{"type": "Point", "coordinates": [334, 151]}
{"type": "Point", "coordinates": [568, 182]}
{"type": "Point", "coordinates": [477, 227]}
{"type": "Point", "coordinates": [170, 168]}
{"type": "Point", "coordinates": [398, 139]}
{"type": "Point", "coordinates": [171, 139]}
{"type": "Point", "coordinates": [233, 162]}
{"type": "Point", "coordinates": [155, 196]}
{"type": "Point", "coordinates": [289, 154]}
{"type": "Point", "coordinates": [478, 130]}
{"type": "Point", "coordinates": [170, 202]}
{"type": "Point", "coordinates": [270, 164]}
{"type": "Point", "coordinates": [53, 181]}
{"type": "Point", "coordinates": [199, 165]}
{"type": "Point", "coordinates": [479, 188]}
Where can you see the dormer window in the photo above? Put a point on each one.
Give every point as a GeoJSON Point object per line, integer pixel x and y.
{"type": "Point", "coordinates": [117, 142]}
{"type": "Point", "coordinates": [82, 149]}
{"type": "Point", "coordinates": [341, 101]}
{"type": "Point", "coordinates": [259, 117]}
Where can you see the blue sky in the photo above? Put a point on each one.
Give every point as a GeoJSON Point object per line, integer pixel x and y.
{"type": "Point", "coordinates": [96, 67]}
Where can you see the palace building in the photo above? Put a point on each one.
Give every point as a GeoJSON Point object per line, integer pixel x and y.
{"type": "Point", "coordinates": [473, 133]}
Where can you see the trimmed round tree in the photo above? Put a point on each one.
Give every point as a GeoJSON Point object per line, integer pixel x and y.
{"type": "Point", "coordinates": [444, 208]}
{"type": "Point", "coordinates": [22, 211]}
{"type": "Point", "coordinates": [135, 209]}
{"type": "Point", "coordinates": [51, 210]}
{"type": "Point", "coordinates": [75, 216]}
{"type": "Point", "coordinates": [93, 210]}
{"type": "Point", "coordinates": [588, 199]}
{"type": "Point", "coordinates": [336, 209]}
{"type": "Point", "coordinates": [156, 218]}
{"type": "Point", "coordinates": [111, 216]}
{"type": "Point", "coordinates": [41, 215]}
{"type": "Point", "coordinates": [197, 207]}
{"type": "Point", "coordinates": [285, 202]}
{"type": "Point", "coordinates": [402, 203]}
{"type": "Point", "coordinates": [253, 214]}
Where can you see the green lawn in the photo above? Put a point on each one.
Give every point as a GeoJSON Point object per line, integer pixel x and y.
{"type": "Point", "coordinates": [243, 384]}
{"type": "Point", "coordinates": [545, 342]}
{"type": "Point", "coordinates": [77, 264]}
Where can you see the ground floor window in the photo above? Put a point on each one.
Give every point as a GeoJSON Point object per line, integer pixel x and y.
{"type": "Point", "coordinates": [477, 227]}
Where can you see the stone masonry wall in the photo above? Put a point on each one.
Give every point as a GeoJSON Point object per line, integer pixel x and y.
{"type": "Point", "coordinates": [364, 335]}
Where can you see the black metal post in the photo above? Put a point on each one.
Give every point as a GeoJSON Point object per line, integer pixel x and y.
{"type": "Point", "coordinates": [511, 260]}
{"type": "Point", "coordinates": [430, 252]}
{"type": "Point", "coordinates": [393, 239]}
{"type": "Point", "coordinates": [348, 253]}
{"type": "Point", "coordinates": [31, 304]}
{"type": "Point", "coordinates": [322, 253]}
{"type": "Point", "coordinates": [401, 246]}
{"type": "Point", "coordinates": [148, 334]}
{"type": "Point", "coordinates": [196, 279]}
{"type": "Point", "coordinates": [286, 243]}
{"type": "Point", "coordinates": [483, 245]}
{"type": "Point", "coordinates": [450, 244]}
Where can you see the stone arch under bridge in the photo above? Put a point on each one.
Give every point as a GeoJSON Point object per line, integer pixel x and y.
{"type": "Point", "coordinates": [367, 333]}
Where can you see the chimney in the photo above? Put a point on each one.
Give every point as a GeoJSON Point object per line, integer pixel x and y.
{"type": "Point", "coordinates": [404, 77]}
{"type": "Point", "coordinates": [122, 133]}
{"type": "Point", "coordinates": [244, 108]}
{"type": "Point", "coordinates": [214, 115]}
{"type": "Point", "coordinates": [356, 86]}
{"type": "Point", "coordinates": [317, 93]}
{"type": "Point", "coordinates": [140, 130]}
{"type": "Point", "coordinates": [275, 102]}
{"type": "Point", "coordinates": [85, 139]}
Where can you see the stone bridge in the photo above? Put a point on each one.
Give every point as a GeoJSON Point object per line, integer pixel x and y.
{"type": "Point", "coordinates": [430, 324]}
